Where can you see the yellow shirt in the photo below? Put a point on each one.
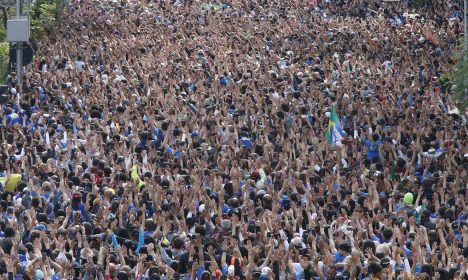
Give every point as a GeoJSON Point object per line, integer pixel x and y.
{"type": "Point", "coordinates": [135, 177]}
{"type": "Point", "coordinates": [10, 184]}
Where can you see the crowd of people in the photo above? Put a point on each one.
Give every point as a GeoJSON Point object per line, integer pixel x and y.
{"type": "Point", "coordinates": [187, 140]}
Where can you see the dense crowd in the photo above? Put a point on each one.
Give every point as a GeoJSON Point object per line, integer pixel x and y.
{"type": "Point", "coordinates": [191, 140]}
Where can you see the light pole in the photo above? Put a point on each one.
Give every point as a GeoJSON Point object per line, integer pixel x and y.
{"type": "Point", "coordinates": [466, 27]}
{"type": "Point", "coordinates": [19, 50]}
{"type": "Point", "coordinates": [18, 32]}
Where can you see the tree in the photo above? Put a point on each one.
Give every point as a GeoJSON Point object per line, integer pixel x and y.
{"type": "Point", "coordinates": [43, 16]}
{"type": "Point", "coordinates": [458, 77]}
{"type": "Point", "coordinates": [4, 59]}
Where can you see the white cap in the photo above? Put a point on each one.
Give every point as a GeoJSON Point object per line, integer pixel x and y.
{"type": "Point", "coordinates": [201, 208]}
{"type": "Point", "coordinates": [231, 270]}
{"type": "Point", "coordinates": [382, 249]}
{"type": "Point", "coordinates": [18, 201]}
{"type": "Point", "coordinates": [296, 241]}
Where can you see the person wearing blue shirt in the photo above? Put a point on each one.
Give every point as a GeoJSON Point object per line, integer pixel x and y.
{"type": "Point", "coordinates": [340, 253]}
{"type": "Point", "coordinates": [12, 117]}
{"type": "Point", "coordinates": [141, 230]}
{"type": "Point", "coordinates": [246, 142]}
{"type": "Point", "coordinates": [372, 147]}
{"type": "Point", "coordinates": [77, 205]}
{"type": "Point", "coordinates": [158, 137]}
{"type": "Point", "coordinates": [224, 80]}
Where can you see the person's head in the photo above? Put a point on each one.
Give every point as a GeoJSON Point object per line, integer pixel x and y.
{"type": "Point", "coordinates": [428, 269]}
{"type": "Point", "coordinates": [178, 243]}
{"type": "Point", "coordinates": [122, 275]}
{"type": "Point", "coordinates": [115, 205]}
{"type": "Point", "coordinates": [443, 273]}
{"type": "Point", "coordinates": [387, 233]}
{"type": "Point", "coordinates": [9, 232]}
{"type": "Point", "coordinates": [344, 248]}
{"type": "Point", "coordinates": [374, 268]}
{"type": "Point", "coordinates": [375, 137]}
{"type": "Point", "coordinates": [35, 235]}
{"type": "Point", "coordinates": [331, 271]}
{"type": "Point", "coordinates": [76, 199]}
{"type": "Point", "coordinates": [368, 244]}
{"type": "Point", "coordinates": [206, 275]}
{"type": "Point", "coordinates": [154, 276]}
{"type": "Point", "coordinates": [35, 202]}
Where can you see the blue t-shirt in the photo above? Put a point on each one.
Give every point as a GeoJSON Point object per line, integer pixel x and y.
{"type": "Point", "coordinates": [376, 238]}
{"type": "Point", "coordinates": [246, 142]}
{"type": "Point", "coordinates": [199, 272]}
{"type": "Point", "coordinates": [158, 136]}
{"type": "Point", "coordinates": [223, 80]}
{"type": "Point", "coordinates": [372, 149]}
{"type": "Point", "coordinates": [13, 119]}
{"type": "Point", "coordinates": [81, 208]}
{"type": "Point", "coordinates": [226, 209]}
{"type": "Point", "coordinates": [339, 257]}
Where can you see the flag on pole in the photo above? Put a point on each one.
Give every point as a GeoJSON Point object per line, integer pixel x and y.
{"type": "Point", "coordinates": [334, 132]}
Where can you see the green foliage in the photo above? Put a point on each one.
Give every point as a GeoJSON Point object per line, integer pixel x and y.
{"type": "Point", "coordinates": [2, 33]}
{"type": "Point", "coordinates": [460, 80]}
{"type": "Point", "coordinates": [4, 12]}
{"type": "Point", "coordinates": [458, 76]}
{"type": "Point", "coordinates": [4, 58]}
{"type": "Point", "coordinates": [43, 16]}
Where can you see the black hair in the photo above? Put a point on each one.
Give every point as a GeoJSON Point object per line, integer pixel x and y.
{"type": "Point", "coordinates": [387, 233]}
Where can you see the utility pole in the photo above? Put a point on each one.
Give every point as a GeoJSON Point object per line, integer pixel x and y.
{"type": "Point", "coordinates": [18, 32]}
{"type": "Point", "coordinates": [465, 11]}
{"type": "Point", "coordinates": [19, 50]}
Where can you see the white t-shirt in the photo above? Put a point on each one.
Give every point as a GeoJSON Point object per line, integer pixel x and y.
{"type": "Point", "coordinates": [79, 65]}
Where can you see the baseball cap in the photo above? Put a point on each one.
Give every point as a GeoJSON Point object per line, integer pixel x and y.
{"type": "Point", "coordinates": [231, 270]}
